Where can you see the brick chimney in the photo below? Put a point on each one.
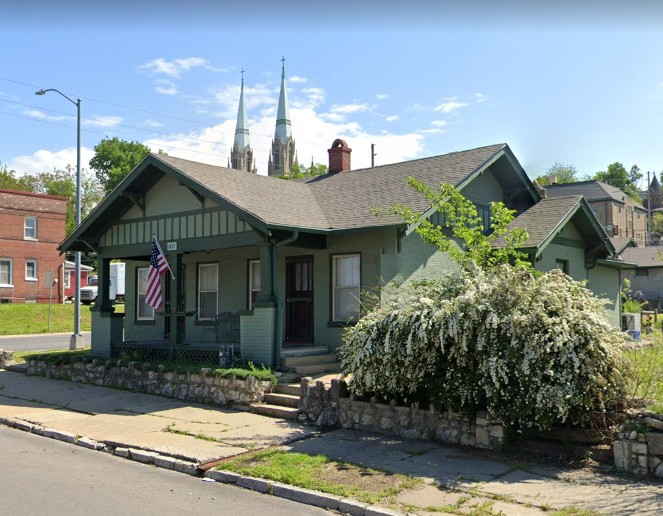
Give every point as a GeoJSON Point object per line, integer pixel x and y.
{"type": "Point", "coordinates": [339, 156]}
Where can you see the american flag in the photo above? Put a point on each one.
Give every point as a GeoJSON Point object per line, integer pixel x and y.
{"type": "Point", "coordinates": [158, 265]}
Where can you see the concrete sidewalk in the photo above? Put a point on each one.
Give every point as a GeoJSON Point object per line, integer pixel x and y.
{"type": "Point", "coordinates": [452, 476]}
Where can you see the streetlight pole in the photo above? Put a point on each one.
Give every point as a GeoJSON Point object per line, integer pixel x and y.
{"type": "Point", "coordinates": [76, 341]}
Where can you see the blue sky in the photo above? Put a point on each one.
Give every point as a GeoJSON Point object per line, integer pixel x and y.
{"type": "Point", "coordinates": [576, 82]}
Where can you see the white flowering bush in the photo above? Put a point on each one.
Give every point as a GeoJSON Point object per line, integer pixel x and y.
{"type": "Point", "coordinates": [533, 351]}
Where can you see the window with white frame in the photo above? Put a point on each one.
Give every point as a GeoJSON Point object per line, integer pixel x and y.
{"type": "Point", "coordinates": [30, 270]}
{"type": "Point", "coordinates": [67, 278]}
{"type": "Point", "coordinates": [254, 282]}
{"type": "Point", "coordinates": [6, 272]}
{"type": "Point", "coordinates": [30, 228]}
{"type": "Point", "coordinates": [144, 312]}
{"type": "Point", "coordinates": [208, 291]}
{"type": "Point", "coordinates": [346, 283]}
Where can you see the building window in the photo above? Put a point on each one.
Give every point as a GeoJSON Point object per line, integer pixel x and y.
{"type": "Point", "coordinates": [642, 272]}
{"type": "Point", "coordinates": [346, 283]}
{"type": "Point", "coordinates": [67, 278]}
{"type": "Point", "coordinates": [484, 216]}
{"type": "Point", "coordinates": [562, 265]}
{"type": "Point", "coordinates": [254, 282]}
{"type": "Point", "coordinates": [30, 228]}
{"type": "Point", "coordinates": [6, 272]}
{"type": "Point", "coordinates": [144, 312]}
{"type": "Point", "coordinates": [208, 291]}
{"type": "Point", "coordinates": [30, 270]}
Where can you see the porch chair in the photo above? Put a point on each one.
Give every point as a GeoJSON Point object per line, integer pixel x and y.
{"type": "Point", "coordinates": [226, 330]}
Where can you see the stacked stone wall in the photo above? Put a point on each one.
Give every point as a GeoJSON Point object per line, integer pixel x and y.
{"type": "Point", "coordinates": [203, 387]}
{"type": "Point", "coordinates": [639, 445]}
{"type": "Point", "coordinates": [336, 407]}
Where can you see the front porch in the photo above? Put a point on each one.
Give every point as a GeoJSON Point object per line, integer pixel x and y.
{"type": "Point", "coordinates": [247, 335]}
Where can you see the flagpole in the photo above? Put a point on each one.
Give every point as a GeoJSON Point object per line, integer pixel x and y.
{"type": "Point", "coordinates": [161, 251]}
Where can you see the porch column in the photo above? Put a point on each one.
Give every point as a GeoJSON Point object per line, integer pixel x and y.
{"type": "Point", "coordinates": [177, 319]}
{"type": "Point", "coordinates": [102, 322]}
{"type": "Point", "coordinates": [103, 287]}
{"type": "Point", "coordinates": [266, 296]}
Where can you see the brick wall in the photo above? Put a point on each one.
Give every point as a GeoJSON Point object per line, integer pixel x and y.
{"type": "Point", "coordinates": [50, 212]}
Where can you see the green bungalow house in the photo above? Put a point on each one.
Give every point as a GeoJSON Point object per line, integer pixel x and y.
{"type": "Point", "coordinates": [290, 259]}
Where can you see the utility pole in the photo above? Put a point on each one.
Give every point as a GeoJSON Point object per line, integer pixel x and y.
{"type": "Point", "coordinates": [372, 155]}
{"type": "Point", "coordinates": [648, 239]}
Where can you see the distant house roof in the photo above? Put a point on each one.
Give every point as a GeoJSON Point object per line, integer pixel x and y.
{"type": "Point", "coordinates": [644, 256]}
{"type": "Point", "coordinates": [344, 201]}
{"type": "Point", "coordinates": [71, 266]}
{"type": "Point", "coordinates": [592, 191]}
{"type": "Point", "coordinates": [621, 243]}
{"type": "Point", "coordinates": [546, 219]}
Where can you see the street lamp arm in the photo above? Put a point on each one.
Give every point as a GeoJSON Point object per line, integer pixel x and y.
{"type": "Point", "coordinates": [43, 92]}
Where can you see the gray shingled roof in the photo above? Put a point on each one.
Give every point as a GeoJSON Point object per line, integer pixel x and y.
{"type": "Point", "coordinates": [592, 190]}
{"type": "Point", "coordinates": [644, 256]}
{"type": "Point", "coordinates": [274, 201]}
{"type": "Point", "coordinates": [619, 243]}
{"type": "Point", "coordinates": [335, 201]}
{"type": "Point", "coordinates": [542, 219]}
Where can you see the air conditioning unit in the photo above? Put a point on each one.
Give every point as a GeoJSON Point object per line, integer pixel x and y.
{"type": "Point", "coordinates": [631, 322]}
{"type": "Point", "coordinates": [6, 300]}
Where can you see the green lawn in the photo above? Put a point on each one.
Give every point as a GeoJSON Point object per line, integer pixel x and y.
{"type": "Point", "coordinates": [647, 361]}
{"type": "Point", "coordinates": [24, 319]}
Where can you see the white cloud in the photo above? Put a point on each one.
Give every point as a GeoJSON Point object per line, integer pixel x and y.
{"type": "Point", "coordinates": [480, 97]}
{"type": "Point", "coordinates": [439, 123]}
{"type": "Point", "coordinates": [152, 123]}
{"type": "Point", "coordinates": [349, 108]}
{"type": "Point", "coordinates": [297, 79]}
{"type": "Point", "coordinates": [40, 115]}
{"type": "Point", "coordinates": [46, 161]}
{"type": "Point", "coordinates": [450, 105]}
{"type": "Point", "coordinates": [381, 96]}
{"type": "Point", "coordinates": [391, 118]}
{"type": "Point", "coordinates": [332, 117]}
{"type": "Point", "coordinates": [432, 131]}
{"type": "Point", "coordinates": [166, 87]}
{"type": "Point", "coordinates": [313, 133]}
{"type": "Point", "coordinates": [174, 68]}
{"type": "Point", "coordinates": [102, 121]}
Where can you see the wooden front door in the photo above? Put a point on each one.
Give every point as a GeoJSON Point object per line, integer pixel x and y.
{"type": "Point", "coordinates": [299, 300]}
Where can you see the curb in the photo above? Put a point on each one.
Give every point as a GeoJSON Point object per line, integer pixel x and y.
{"type": "Point", "coordinates": [294, 493]}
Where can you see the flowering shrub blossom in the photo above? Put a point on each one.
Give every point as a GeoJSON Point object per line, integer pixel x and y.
{"type": "Point", "coordinates": [533, 351]}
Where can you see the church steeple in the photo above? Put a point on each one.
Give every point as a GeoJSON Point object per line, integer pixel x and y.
{"type": "Point", "coordinates": [283, 155]}
{"type": "Point", "coordinates": [241, 156]}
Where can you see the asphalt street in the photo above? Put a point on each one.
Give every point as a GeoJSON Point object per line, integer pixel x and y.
{"type": "Point", "coordinates": [41, 342]}
{"type": "Point", "coordinates": [44, 476]}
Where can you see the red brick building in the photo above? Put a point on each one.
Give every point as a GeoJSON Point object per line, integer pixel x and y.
{"type": "Point", "coordinates": [31, 228]}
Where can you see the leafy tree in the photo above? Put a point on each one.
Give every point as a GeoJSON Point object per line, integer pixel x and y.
{"type": "Point", "coordinates": [656, 222]}
{"type": "Point", "coordinates": [9, 181]}
{"type": "Point", "coordinates": [298, 171]}
{"type": "Point", "coordinates": [617, 176]}
{"type": "Point", "coordinates": [114, 159]}
{"type": "Point", "coordinates": [478, 245]}
{"type": "Point", "coordinates": [559, 173]}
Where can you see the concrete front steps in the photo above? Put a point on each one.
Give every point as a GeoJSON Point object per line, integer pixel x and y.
{"type": "Point", "coordinates": [283, 402]}
{"type": "Point", "coordinates": [310, 361]}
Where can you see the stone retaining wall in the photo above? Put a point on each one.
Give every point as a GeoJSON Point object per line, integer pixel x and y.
{"type": "Point", "coordinates": [335, 406]}
{"type": "Point", "coordinates": [639, 446]}
{"type": "Point", "coordinates": [204, 387]}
